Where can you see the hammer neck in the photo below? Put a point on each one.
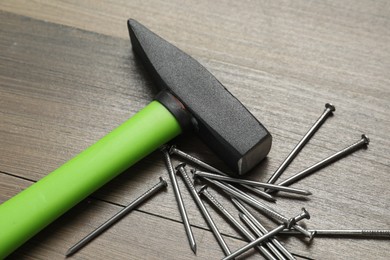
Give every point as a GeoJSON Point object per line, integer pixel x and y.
{"type": "Point", "coordinates": [177, 109]}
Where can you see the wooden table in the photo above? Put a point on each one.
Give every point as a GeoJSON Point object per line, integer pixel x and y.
{"type": "Point", "coordinates": [68, 76]}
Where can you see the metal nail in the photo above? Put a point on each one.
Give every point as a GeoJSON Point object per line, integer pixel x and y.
{"type": "Point", "coordinates": [329, 108]}
{"type": "Point", "coordinates": [250, 182]}
{"type": "Point", "coordinates": [229, 187]}
{"type": "Point", "coordinates": [202, 208]}
{"type": "Point", "coordinates": [257, 223]}
{"type": "Point", "coordinates": [257, 231]}
{"type": "Point", "coordinates": [196, 161]}
{"type": "Point", "coordinates": [179, 200]}
{"type": "Point", "coordinates": [273, 214]}
{"type": "Point", "coordinates": [272, 233]}
{"type": "Point", "coordinates": [257, 204]}
{"type": "Point", "coordinates": [260, 193]}
{"type": "Point", "coordinates": [233, 191]}
{"type": "Point", "coordinates": [174, 150]}
{"type": "Point", "coordinates": [203, 191]}
{"type": "Point", "coordinates": [161, 184]}
{"type": "Point", "coordinates": [379, 233]}
{"type": "Point", "coordinates": [360, 144]}
{"type": "Point", "coordinates": [304, 215]}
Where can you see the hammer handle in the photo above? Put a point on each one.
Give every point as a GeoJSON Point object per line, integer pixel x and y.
{"type": "Point", "coordinates": [27, 213]}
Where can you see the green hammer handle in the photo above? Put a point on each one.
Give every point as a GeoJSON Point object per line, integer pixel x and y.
{"type": "Point", "coordinates": [27, 213]}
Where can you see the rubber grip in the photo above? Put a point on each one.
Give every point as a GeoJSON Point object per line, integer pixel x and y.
{"type": "Point", "coordinates": [27, 213]}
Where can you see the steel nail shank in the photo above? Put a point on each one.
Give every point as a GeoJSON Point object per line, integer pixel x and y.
{"type": "Point", "coordinates": [174, 150]}
{"type": "Point", "coordinates": [272, 233]}
{"type": "Point", "coordinates": [344, 232]}
{"type": "Point", "coordinates": [186, 156]}
{"type": "Point", "coordinates": [275, 215]}
{"type": "Point", "coordinates": [161, 184]}
{"type": "Point", "coordinates": [179, 200]}
{"type": "Point", "coordinates": [329, 108]}
{"type": "Point", "coordinates": [360, 144]}
{"type": "Point", "coordinates": [203, 191]}
{"type": "Point", "coordinates": [252, 218]}
{"type": "Point", "coordinates": [250, 182]}
{"type": "Point", "coordinates": [260, 206]}
{"type": "Point", "coordinates": [203, 209]}
{"type": "Point", "coordinates": [259, 233]}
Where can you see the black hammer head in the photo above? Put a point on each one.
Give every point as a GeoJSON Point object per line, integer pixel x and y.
{"type": "Point", "coordinates": [224, 124]}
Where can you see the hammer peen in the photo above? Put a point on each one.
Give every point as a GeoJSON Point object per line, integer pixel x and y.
{"type": "Point", "coordinates": [191, 98]}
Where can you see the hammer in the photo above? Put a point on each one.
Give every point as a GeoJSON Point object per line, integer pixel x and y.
{"type": "Point", "coordinates": [191, 99]}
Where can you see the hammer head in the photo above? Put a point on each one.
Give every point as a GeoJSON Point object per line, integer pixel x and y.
{"type": "Point", "coordinates": [222, 121]}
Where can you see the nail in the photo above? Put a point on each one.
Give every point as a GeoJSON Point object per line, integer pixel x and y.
{"type": "Point", "coordinates": [304, 231]}
{"type": "Point", "coordinates": [257, 204]}
{"type": "Point", "coordinates": [304, 215]}
{"type": "Point", "coordinates": [273, 214]}
{"type": "Point", "coordinates": [203, 191]}
{"type": "Point", "coordinates": [117, 216]}
{"type": "Point", "coordinates": [259, 192]}
{"type": "Point", "coordinates": [181, 169]}
{"type": "Point", "coordinates": [257, 223]}
{"type": "Point", "coordinates": [257, 231]}
{"type": "Point", "coordinates": [179, 200]}
{"type": "Point", "coordinates": [250, 182]}
{"type": "Point", "coordinates": [265, 237]}
{"type": "Point", "coordinates": [174, 150]}
{"type": "Point", "coordinates": [329, 108]}
{"type": "Point", "coordinates": [380, 233]}
{"type": "Point", "coordinates": [196, 161]}
{"type": "Point", "coordinates": [233, 191]}
{"type": "Point", "coordinates": [360, 144]}
{"type": "Point", "coordinates": [229, 187]}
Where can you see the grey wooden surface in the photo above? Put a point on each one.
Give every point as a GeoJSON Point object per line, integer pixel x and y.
{"type": "Point", "coordinates": [68, 76]}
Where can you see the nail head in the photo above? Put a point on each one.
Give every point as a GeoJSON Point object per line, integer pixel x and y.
{"type": "Point", "coordinates": [163, 181]}
{"type": "Point", "coordinates": [306, 214]}
{"type": "Point", "coordinates": [366, 139]}
{"type": "Point", "coordinates": [172, 149]}
{"type": "Point", "coordinates": [330, 107]}
{"type": "Point", "coordinates": [202, 189]}
{"type": "Point", "coordinates": [181, 165]}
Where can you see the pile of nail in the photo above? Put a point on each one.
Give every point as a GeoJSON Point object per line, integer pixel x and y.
{"type": "Point", "coordinates": [261, 238]}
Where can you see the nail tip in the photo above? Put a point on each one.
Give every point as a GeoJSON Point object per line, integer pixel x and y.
{"type": "Point", "coordinates": [272, 199]}
{"type": "Point", "coordinates": [193, 247]}
{"type": "Point", "coordinates": [69, 253]}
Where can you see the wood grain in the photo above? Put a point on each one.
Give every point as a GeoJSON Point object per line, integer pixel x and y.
{"type": "Point", "coordinates": [68, 76]}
